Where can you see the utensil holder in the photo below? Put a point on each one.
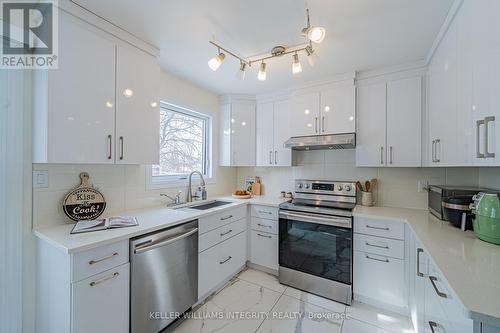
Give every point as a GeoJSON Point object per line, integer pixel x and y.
{"type": "Point", "coordinates": [367, 199]}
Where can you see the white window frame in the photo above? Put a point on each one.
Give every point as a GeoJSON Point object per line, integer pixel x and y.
{"type": "Point", "coordinates": [172, 181]}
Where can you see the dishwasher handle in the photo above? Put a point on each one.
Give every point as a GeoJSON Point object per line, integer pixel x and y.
{"type": "Point", "coordinates": [163, 242]}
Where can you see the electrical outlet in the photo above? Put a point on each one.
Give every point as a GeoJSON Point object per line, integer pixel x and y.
{"type": "Point", "coordinates": [40, 179]}
{"type": "Point", "coordinates": [422, 185]}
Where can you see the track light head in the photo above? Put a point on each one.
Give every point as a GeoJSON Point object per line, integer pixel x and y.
{"type": "Point", "coordinates": [296, 66]}
{"type": "Point", "coordinates": [216, 61]}
{"type": "Point", "coordinates": [262, 72]}
{"type": "Point", "coordinates": [241, 72]}
{"type": "Point", "coordinates": [312, 57]}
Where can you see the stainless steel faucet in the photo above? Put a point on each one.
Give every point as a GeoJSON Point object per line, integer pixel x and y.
{"type": "Point", "coordinates": [190, 190]}
{"type": "Point", "coordinates": [175, 201]}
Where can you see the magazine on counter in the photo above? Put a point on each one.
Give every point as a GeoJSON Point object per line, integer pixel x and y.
{"type": "Point", "coordinates": [103, 224]}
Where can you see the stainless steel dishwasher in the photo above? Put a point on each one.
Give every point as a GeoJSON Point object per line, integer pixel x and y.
{"type": "Point", "coordinates": [164, 276]}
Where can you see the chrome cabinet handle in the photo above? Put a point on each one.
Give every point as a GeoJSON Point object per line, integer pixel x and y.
{"type": "Point", "coordinates": [265, 212]}
{"type": "Point", "coordinates": [438, 159]}
{"type": "Point", "coordinates": [323, 124]}
{"type": "Point", "coordinates": [316, 124]}
{"type": "Point", "coordinates": [95, 261]}
{"type": "Point", "coordinates": [226, 218]}
{"type": "Point", "coordinates": [419, 250]}
{"type": "Point", "coordinates": [390, 154]}
{"type": "Point", "coordinates": [487, 154]}
{"type": "Point", "coordinates": [376, 259]}
{"type": "Point", "coordinates": [109, 146]}
{"type": "Point", "coordinates": [275, 157]}
{"type": "Point", "coordinates": [95, 283]}
{"type": "Point", "coordinates": [381, 155]}
{"type": "Point", "coordinates": [377, 228]}
{"type": "Point", "coordinates": [226, 260]}
{"type": "Point", "coordinates": [432, 325]}
{"type": "Point", "coordinates": [263, 225]}
{"type": "Point", "coordinates": [440, 294]}
{"type": "Point", "coordinates": [433, 153]}
{"type": "Point", "coordinates": [270, 157]}
{"type": "Point", "coordinates": [261, 235]}
{"type": "Point", "coordinates": [379, 246]}
{"type": "Point", "coordinates": [121, 147]}
{"type": "Point", "coordinates": [227, 232]}
{"type": "Point", "coordinates": [478, 138]}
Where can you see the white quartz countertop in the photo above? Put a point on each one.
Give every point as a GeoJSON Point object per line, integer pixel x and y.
{"type": "Point", "coordinates": [150, 219]}
{"type": "Point", "coordinates": [470, 266]}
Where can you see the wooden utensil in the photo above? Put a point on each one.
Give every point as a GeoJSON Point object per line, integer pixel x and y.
{"type": "Point", "coordinates": [367, 186]}
{"type": "Point", "coordinates": [359, 186]}
{"type": "Point", "coordinates": [373, 183]}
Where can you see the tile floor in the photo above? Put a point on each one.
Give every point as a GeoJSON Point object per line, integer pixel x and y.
{"type": "Point", "coordinates": [256, 302]}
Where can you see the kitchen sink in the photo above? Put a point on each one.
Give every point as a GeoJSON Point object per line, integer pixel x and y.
{"type": "Point", "coordinates": [209, 205]}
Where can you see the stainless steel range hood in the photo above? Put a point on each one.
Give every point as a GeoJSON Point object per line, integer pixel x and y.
{"type": "Point", "coordinates": [322, 142]}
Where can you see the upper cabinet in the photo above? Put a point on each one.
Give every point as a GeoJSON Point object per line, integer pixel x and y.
{"type": "Point", "coordinates": [273, 129]}
{"type": "Point", "coordinates": [331, 110]}
{"type": "Point", "coordinates": [463, 85]}
{"type": "Point", "coordinates": [237, 134]}
{"type": "Point", "coordinates": [389, 123]}
{"type": "Point", "coordinates": [80, 110]}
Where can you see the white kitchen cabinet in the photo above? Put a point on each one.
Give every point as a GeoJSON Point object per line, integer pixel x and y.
{"type": "Point", "coordinates": [273, 129]}
{"type": "Point", "coordinates": [137, 107]}
{"type": "Point", "coordinates": [417, 274]}
{"type": "Point", "coordinates": [389, 123]}
{"type": "Point", "coordinates": [371, 134]}
{"type": "Point", "coordinates": [305, 114]}
{"type": "Point", "coordinates": [264, 249]}
{"type": "Point", "coordinates": [74, 107]}
{"type": "Point", "coordinates": [80, 113]}
{"type": "Point", "coordinates": [100, 303]}
{"type": "Point", "coordinates": [237, 125]}
{"type": "Point", "coordinates": [404, 120]}
{"type": "Point", "coordinates": [338, 110]}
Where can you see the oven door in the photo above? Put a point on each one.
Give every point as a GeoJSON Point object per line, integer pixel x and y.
{"type": "Point", "coordinates": [316, 244]}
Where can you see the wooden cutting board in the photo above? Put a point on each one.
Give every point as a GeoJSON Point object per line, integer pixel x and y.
{"type": "Point", "coordinates": [84, 202]}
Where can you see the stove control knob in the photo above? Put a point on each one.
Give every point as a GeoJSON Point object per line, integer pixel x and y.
{"type": "Point", "coordinates": [347, 188]}
{"type": "Point", "coordinates": [299, 185]}
{"type": "Point", "coordinates": [307, 186]}
{"type": "Point", "coordinates": [339, 187]}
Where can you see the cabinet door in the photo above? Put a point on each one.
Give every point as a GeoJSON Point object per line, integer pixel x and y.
{"type": "Point", "coordinates": [225, 135]}
{"type": "Point", "coordinates": [80, 114]}
{"type": "Point", "coordinates": [264, 249]}
{"type": "Point", "coordinates": [338, 108]}
{"type": "Point", "coordinates": [418, 271]}
{"type": "Point", "coordinates": [137, 107]}
{"type": "Point", "coordinates": [265, 137]}
{"type": "Point", "coordinates": [443, 101]}
{"type": "Point", "coordinates": [282, 132]}
{"type": "Point", "coordinates": [371, 127]}
{"type": "Point", "coordinates": [305, 114]}
{"type": "Point", "coordinates": [404, 118]}
{"type": "Point", "coordinates": [101, 303]}
{"type": "Point", "coordinates": [243, 134]}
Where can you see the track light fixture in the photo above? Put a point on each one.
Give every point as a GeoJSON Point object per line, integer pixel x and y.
{"type": "Point", "coordinates": [314, 34]}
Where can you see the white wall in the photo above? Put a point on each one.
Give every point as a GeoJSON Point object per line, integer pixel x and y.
{"type": "Point", "coordinates": [397, 186]}
{"type": "Point", "coordinates": [124, 186]}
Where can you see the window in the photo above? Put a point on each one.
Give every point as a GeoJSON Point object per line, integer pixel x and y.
{"type": "Point", "coordinates": [184, 144]}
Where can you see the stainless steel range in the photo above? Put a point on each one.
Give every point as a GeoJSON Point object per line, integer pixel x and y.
{"type": "Point", "coordinates": [315, 239]}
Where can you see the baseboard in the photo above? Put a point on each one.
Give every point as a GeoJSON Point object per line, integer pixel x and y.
{"type": "Point", "coordinates": [262, 268]}
{"type": "Point", "coordinates": [402, 310]}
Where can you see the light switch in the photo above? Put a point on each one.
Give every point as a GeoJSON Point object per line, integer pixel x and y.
{"type": "Point", "coordinates": [40, 179]}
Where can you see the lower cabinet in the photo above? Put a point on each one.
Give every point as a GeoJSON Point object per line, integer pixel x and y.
{"type": "Point", "coordinates": [220, 262]}
{"type": "Point", "coordinates": [101, 303]}
{"type": "Point", "coordinates": [264, 249]}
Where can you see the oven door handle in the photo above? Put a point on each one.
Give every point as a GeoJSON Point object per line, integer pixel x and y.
{"type": "Point", "coordinates": [330, 220]}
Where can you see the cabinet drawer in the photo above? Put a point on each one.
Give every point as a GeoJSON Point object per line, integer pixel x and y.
{"type": "Point", "coordinates": [219, 262]}
{"type": "Point", "coordinates": [264, 249]}
{"type": "Point", "coordinates": [380, 245]}
{"type": "Point", "coordinates": [220, 234]}
{"type": "Point", "coordinates": [93, 261]}
{"type": "Point", "coordinates": [265, 225]}
{"type": "Point", "coordinates": [264, 212]}
{"type": "Point", "coordinates": [214, 221]}
{"type": "Point", "coordinates": [379, 278]}
{"type": "Point", "coordinates": [379, 227]}
{"type": "Point", "coordinates": [101, 303]}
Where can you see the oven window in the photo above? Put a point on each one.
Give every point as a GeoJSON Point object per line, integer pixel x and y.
{"type": "Point", "coordinates": [317, 249]}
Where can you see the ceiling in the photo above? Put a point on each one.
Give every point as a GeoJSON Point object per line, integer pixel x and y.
{"type": "Point", "coordinates": [361, 35]}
